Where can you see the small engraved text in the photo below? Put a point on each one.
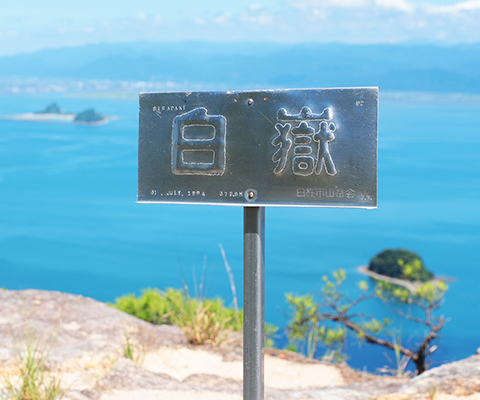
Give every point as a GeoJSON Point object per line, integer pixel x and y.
{"type": "Point", "coordinates": [168, 108]}
{"type": "Point", "coordinates": [230, 194]}
{"type": "Point", "coordinates": [326, 193]}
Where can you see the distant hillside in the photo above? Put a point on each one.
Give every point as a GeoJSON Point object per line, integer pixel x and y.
{"type": "Point", "coordinates": [392, 67]}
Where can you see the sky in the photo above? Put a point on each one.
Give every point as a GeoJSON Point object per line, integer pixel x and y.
{"type": "Point", "coordinates": [33, 25]}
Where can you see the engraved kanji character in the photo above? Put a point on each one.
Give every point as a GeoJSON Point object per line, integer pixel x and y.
{"type": "Point", "coordinates": [300, 192]}
{"type": "Point", "coordinates": [330, 193]}
{"type": "Point", "coordinates": [284, 143]}
{"type": "Point", "coordinates": [303, 163]}
{"type": "Point", "coordinates": [350, 193]}
{"type": "Point", "coordinates": [198, 143]}
{"type": "Point", "coordinates": [310, 150]}
{"type": "Point", "coordinates": [323, 136]}
{"type": "Point", "coordinates": [305, 114]}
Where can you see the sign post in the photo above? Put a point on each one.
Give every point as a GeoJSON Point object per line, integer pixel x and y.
{"type": "Point", "coordinates": [253, 302]}
{"type": "Point", "coordinates": [297, 148]}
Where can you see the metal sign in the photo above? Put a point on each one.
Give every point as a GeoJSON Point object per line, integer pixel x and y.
{"type": "Point", "coordinates": [313, 147]}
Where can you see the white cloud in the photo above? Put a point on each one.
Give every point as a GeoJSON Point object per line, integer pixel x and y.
{"type": "Point", "coordinates": [473, 5]}
{"type": "Point", "coordinates": [256, 15]}
{"type": "Point", "coordinates": [421, 24]}
{"type": "Point", "coordinates": [315, 4]}
{"type": "Point", "coordinates": [441, 35]}
{"type": "Point", "coordinates": [255, 7]}
{"type": "Point", "coordinates": [259, 19]}
{"type": "Point", "coordinates": [223, 19]}
{"type": "Point", "coordinates": [350, 21]}
{"type": "Point", "coordinates": [347, 3]}
{"type": "Point", "coordinates": [386, 21]}
{"type": "Point", "coordinates": [398, 5]}
{"type": "Point", "coordinates": [9, 34]}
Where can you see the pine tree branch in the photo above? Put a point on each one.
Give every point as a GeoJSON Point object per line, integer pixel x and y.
{"type": "Point", "coordinates": [370, 338]}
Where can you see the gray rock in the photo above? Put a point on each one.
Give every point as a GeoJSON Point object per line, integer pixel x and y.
{"type": "Point", "coordinates": [126, 375]}
{"type": "Point", "coordinates": [76, 328]}
{"type": "Point", "coordinates": [447, 377]}
{"type": "Point", "coordinates": [76, 395]}
{"type": "Point", "coordinates": [73, 326]}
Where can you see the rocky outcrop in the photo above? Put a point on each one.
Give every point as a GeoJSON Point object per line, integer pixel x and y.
{"type": "Point", "coordinates": [461, 378]}
{"type": "Point", "coordinates": [73, 327]}
{"type": "Point", "coordinates": [86, 343]}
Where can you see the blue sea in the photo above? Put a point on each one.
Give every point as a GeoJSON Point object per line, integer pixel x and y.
{"type": "Point", "coordinates": [69, 221]}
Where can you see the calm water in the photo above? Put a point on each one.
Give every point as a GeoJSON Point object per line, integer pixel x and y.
{"type": "Point", "coordinates": [69, 222]}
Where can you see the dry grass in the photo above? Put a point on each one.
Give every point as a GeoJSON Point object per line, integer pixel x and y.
{"type": "Point", "coordinates": [34, 380]}
{"type": "Point", "coordinates": [202, 325]}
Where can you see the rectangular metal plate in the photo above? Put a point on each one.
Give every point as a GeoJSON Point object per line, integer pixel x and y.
{"type": "Point", "coordinates": [312, 147]}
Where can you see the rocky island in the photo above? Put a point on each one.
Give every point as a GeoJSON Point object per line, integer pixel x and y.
{"type": "Point", "coordinates": [89, 117]}
{"type": "Point", "coordinates": [400, 267]}
{"type": "Point", "coordinates": [54, 114]}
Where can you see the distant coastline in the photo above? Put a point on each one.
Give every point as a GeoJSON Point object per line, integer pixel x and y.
{"type": "Point", "coordinates": [55, 118]}
{"type": "Point", "coordinates": [411, 286]}
{"type": "Point", "coordinates": [53, 113]}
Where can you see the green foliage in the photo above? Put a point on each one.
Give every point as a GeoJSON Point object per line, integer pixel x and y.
{"type": "Point", "coordinates": [133, 350]}
{"type": "Point", "coordinates": [127, 348]}
{"type": "Point", "coordinates": [270, 331]}
{"type": "Point", "coordinates": [428, 294]}
{"type": "Point", "coordinates": [291, 347]}
{"type": "Point", "coordinates": [431, 292]}
{"type": "Point", "coordinates": [153, 305]}
{"type": "Point", "coordinates": [308, 326]}
{"type": "Point", "coordinates": [89, 115]}
{"type": "Point", "coordinates": [204, 321]}
{"type": "Point", "coordinates": [36, 381]}
{"type": "Point", "coordinates": [327, 321]}
{"type": "Point", "coordinates": [401, 264]}
{"type": "Point", "coordinates": [304, 325]}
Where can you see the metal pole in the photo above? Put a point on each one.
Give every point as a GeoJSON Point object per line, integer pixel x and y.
{"type": "Point", "coordinates": [253, 302]}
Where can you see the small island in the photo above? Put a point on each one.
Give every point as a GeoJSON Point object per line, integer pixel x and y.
{"type": "Point", "coordinates": [400, 267]}
{"type": "Point", "coordinates": [89, 117]}
{"type": "Point", "coordinates": [54, 114]}
{"type": "Point", "coordinates": [52, 109]}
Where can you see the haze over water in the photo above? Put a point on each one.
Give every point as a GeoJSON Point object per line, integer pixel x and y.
{"type": "Point", "coordinates": [69, 221]}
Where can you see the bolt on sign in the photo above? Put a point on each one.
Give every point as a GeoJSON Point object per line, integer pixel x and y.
{"type": "Point", "coordinates": [312, 147]}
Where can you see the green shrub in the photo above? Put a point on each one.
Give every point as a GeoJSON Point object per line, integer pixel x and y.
{"type": "Point", "coordinates": [203, 320]}
{"type": "Point", "coordinates": [400, 263]}
{"type": "Point", "coordinates": [152, 306]}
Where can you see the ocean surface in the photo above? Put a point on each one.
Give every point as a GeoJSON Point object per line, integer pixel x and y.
{"type": "Point", "coordinates": [69, 221]}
